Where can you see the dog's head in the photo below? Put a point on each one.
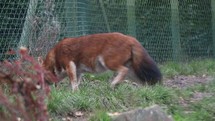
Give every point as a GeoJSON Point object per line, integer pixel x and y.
{"type": "Point", "coordinates": [49, 76]}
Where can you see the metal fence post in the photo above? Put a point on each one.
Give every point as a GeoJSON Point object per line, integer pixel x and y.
{"type": "Point", "coordinates": [71, 17]}
{"type": "Point", "coordinates": [176, 44]}
{"type": "Point", "coordinates": [213, 24]}
{"type": "Point", "coordinates": [131, 17]}
{"type": "Point", "coordinates": [105, 15]}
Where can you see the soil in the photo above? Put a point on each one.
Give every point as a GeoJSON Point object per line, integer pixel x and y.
{"type": "Point", "coordinates": [186, 81]}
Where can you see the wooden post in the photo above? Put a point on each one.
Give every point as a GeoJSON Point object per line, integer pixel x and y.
{"type": "Point", "coordinates": [213, 24]}
{"type": "Point", "coordinates": [176, 44]}
{"type": "Point", "coordinates": [131, 18]}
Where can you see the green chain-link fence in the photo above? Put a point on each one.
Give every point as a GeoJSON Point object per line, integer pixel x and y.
{"type": "Point", "coordinates": [168, 29]}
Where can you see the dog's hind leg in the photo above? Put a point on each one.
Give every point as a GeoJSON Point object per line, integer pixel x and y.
{"type": "Point", "coordinates": [121, 73]}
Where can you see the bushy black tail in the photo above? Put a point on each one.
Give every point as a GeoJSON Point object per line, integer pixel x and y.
{"type": "Point", "coordinates": [144, 66]}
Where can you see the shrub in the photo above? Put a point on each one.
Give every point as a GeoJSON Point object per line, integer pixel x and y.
{"type": "Point", "coordinates": [23, 90]}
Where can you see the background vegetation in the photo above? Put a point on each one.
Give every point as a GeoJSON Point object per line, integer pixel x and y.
{"type": "Point", "coordinates": [55, 19]}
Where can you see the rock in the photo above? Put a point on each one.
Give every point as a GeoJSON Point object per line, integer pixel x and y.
{"type": "Point", "coordinates": [153, 113]}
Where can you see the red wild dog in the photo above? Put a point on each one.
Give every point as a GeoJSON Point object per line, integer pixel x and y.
{"type": "Point", "coordinates": [98, 53]}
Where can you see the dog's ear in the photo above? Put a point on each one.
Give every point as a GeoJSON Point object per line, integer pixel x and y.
{"type": "Point", "coordinates": [40, 60]}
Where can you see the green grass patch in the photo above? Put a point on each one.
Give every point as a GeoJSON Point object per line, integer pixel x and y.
{"type": "Point", "coordinates": [204, 109]}
{"type": "Point", "coordinates": [197, 67]}
{"type": "Point", "coordinates": [197, 109]}
{"type": "Point", "coordinates": [100, 116]}
{"type": "Point", "coordinates": [96, 97]}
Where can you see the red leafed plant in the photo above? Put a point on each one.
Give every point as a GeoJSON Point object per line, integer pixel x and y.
{"type": "Point", "coordinates": [23, 90]}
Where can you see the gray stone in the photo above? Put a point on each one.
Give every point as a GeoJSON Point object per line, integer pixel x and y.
{"type": "Point", "coordinates": [153, 113]}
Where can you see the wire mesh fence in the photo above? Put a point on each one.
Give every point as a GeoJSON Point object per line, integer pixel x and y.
{"type": "Point", "coordinates": [168, 29]}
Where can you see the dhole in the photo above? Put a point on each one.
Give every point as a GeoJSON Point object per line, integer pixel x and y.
{"type": "Point", "coordinates": [98, 53]}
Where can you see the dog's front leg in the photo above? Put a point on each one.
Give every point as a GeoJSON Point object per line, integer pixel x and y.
{"type": "Point", "coordinates": [72, 73]}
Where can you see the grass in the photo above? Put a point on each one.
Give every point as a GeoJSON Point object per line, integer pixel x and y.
{"type": "Point", "coordinates": [196, 67]}
{"type": "Point", "coordinates": [92, 97]}
{"type": "Point", "coordinates": [100, 116]}
{"type": "Point", "coordinates": [95, 96]}
{"type": "Point", "coordinates": [198, 110]}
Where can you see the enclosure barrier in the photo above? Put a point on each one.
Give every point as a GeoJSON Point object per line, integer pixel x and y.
{"type": "Point", "coordinates": [171, 30]}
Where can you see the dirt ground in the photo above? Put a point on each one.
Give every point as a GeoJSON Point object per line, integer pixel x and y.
{"type": "Point", "coordinates": [186, 81]}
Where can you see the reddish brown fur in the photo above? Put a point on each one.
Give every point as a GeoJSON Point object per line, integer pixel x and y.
{"type": "Point", "coordinates": [114, 49]}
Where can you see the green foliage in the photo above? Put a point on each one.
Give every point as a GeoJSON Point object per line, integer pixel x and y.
{"type": "Point", "coordinates": [197, 110]}
{"type": "Point", "coordinates": [204, 109]}
{"type": "Point", "coordinates": [103, 76]}
{"type": "Point", "coordinates": [195, 67]}
{"type": "Point", "coordinates": [178, 117]}
{"type": "Point", "coordinates": [96, 96]}
{"type": "Point", "coordinates": [100, 116]}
